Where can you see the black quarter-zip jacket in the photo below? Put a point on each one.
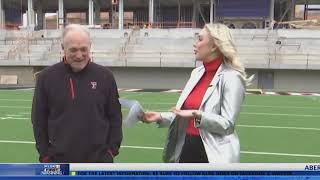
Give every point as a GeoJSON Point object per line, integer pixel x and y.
{"type": "Point", "coordinates": [76, 117]}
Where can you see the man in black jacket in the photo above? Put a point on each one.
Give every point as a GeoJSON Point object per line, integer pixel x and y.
{"type": "Point", "coordinates": [76, 114]}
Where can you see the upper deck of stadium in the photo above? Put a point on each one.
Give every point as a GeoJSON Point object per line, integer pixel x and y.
{"type": "Point", "coordinates": [122, 14]}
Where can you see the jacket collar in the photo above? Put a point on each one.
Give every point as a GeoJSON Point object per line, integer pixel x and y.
{"type": "Point", "coordinates": [194, 79]}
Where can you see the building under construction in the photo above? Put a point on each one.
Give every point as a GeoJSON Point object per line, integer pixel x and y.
{"type": "Point", "coordinates": [122, 14]}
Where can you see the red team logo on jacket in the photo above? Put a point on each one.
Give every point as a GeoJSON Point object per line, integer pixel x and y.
{"type": "Point", "coordinates": [94, 85]}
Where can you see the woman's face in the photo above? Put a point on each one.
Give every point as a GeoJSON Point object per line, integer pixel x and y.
{"type": "Point", "coordinates": [204, 47]}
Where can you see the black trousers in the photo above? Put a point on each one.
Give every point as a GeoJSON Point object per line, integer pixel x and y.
{"type": "Point", "coordinates": [193, 150]}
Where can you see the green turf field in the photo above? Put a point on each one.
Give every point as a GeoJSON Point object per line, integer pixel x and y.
{"type": "Point", "coordinates": [271, 129]}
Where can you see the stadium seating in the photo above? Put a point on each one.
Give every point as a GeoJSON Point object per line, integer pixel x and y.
{"type": "Point", "coordinates": [258, 48]}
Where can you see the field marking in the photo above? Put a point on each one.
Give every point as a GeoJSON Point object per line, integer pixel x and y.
{"type": "Point", "coordinates": [280, 154]}
{"type": "Point", "coordinates": [28, 100]}
{"type": "Point", "coordinates": [132, 95]}
{"type": "Point", "coordinates": [14, 115]}
{"type": "Point", "coordinates": [278, 127]}
{"type": "Point", "coordinates": [239, 125]}
{"type": "Point", "coordinates": [264, 114]}
{"type": "Point", "coordinates": [165, 103]}
{"type": "Point", "coordinates": [132, 90]}
{"type": "Point", "coordinates": [17, 142]}
{"type": "Point", "coordinates": [278, 114]}
{"type": "Point", "coordinates": [17, 118]}
{"type": "Point", "coordinates": [143, 147]}
{"type": "Point", "coordinates": [160, 148]}
{"type": "Point", "coordinates": [161, 110]}
{"type": "Point", "coordinates": [16, 107]}
{"type": "Point", "coordinates": [284, 107]}
{"type": "Point", "coordinates": [22, 89]}
{"type": "Point", "coordinates": [262, 106]}
{"type": "Point", "coordinates": [246, 105]}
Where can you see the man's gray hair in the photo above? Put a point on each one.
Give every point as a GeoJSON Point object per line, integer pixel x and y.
{"type": "Point", "coordinates": [74, 27]}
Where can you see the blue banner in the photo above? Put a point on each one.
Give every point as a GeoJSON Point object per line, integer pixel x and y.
{"type": "Point", "coordinates": [162, 177]}
{"type": "Point", "coordinates": [195, 173]}
{"type": "Point", "coordinates": [66, 171]}
{"type": "Point", "coordinates": [33, 169]}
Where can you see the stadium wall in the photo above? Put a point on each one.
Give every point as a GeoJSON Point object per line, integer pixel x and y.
{"type": "Point", "coordinates": [24, 74]}
{"type": "Point", "coordinates": [297, 80]}
{"type": "Point", "coordinates": [151, 78]}
{"type": "Point", "coordinates": [176, 78]}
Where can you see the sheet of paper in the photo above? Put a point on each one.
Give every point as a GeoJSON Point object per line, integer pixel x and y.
{"type": "Point", "coordinates": [135, 109]}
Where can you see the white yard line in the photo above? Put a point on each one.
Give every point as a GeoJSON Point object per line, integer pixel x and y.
{"type": "Point", "coordinates": [14, 115]}
{"type": "Point", "coordinates": [29, 113]}
{"type": "Point", "coordinates": [278, 114]}
{"type": "Point", "coordinates": [17, 142]}
{"type": "Point", "coordinates": [160, 148]}
{"type": "Point", "coordinates": [16, 118]}
{"type": "Point", "coordinates": [16, 107]}
{"type": "Point", "coordinates": [282, 107]}
{"type": "Point", "coordinates": [21, 89]}
{"type": "Point", "coordinates": [243, 113]}
{"type": "Point", "coordinates": [280, 154]}
{"type": "Point", "coordinates": [19, 100]}
{"type": "Point", "coordinates": [143, 147]}
{"type": "Point", "coordinates": [277, 127]}
{"type": "Point", "coordinates": [132, 95]}
{"type": "Point", "coordinates": [173, 103]}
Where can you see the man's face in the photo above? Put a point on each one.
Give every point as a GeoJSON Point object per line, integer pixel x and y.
{"type": "Point", "coordinates": [77, 49]}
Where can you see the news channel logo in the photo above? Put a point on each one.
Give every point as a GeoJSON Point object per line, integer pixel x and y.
{"type": "Point", "coordinates": [51, 169]}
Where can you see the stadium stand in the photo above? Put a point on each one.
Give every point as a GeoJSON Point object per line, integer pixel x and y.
{"type": "Point", "coordinates": [278, 49]}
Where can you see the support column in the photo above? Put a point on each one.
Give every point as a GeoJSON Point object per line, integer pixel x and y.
{"type": "Point", "coordinates": [195, 13]}
{"type": "Point", "coordinates": [293, 10]}
{"type": "Point", "coordinates": [40, 16]}
{"type": "Point", "coordinates": [97, 11]}
{"type": "Point", "coordinates": [271, 10]}
{"type": "Point", "coordinates": [40, 19]}
{"type": "Point", "coordinates": [60, 15]}
{"type": "Point", "coordinates": [179, 12]}
{"type": "Point", "coordinates": [111, 17]}
{"type": "Point", "coordinates": [151, 12]}
{"type": "Point", "coordinates": [87, 17]}
{"type": "Point", "coordinates": [1, 15]}
{"type": "Point", "coordinates": [306, 8]}
{"type": "Point", "coordinates": [211, 11]}
{"type": "Point", "coordinates": [30, 14]}
{"type": "Point", "coordinates": [90, 15]}
{"type": "Point", "coordinates": [120, 14]}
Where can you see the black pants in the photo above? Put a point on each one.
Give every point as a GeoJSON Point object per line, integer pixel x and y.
{"type": "Point", "coordinates": [193, 150]}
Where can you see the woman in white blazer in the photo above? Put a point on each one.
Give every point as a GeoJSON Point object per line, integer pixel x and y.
{"type": "Point", "coordinates": [202, 125]}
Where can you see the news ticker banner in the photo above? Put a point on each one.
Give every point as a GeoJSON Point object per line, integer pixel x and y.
{"type": "Point", "coordinates": [161, 169]}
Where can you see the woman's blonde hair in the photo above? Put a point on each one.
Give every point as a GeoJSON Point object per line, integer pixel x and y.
{"type": "Point", "coordinates": [221, 36]}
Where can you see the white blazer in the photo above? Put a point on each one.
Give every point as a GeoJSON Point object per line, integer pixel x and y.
{"type": "Point", "coordinates": [220, 108]}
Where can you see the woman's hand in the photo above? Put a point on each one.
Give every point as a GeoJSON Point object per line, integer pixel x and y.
{"type": "Point", "coordinates": [187, 114]}
{"type": "Point", "coordinates": [150, 117]}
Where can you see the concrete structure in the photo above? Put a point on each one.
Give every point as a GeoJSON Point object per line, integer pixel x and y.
{"type": "Point", "coordinates": [157, 13]}
{"type": "Point", "coordinates": [156, 58]}
{"type": "Point", "coordinates": [162, 58]}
